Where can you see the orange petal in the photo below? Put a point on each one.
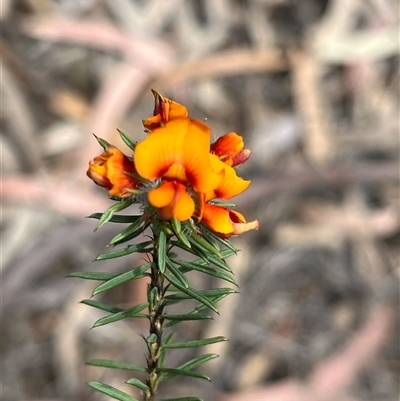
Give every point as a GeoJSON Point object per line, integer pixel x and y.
{"type": "Point", "coordinates": [163, 195]}
{"type": "Point", "coordinates": [112, 170]}
{"type": "Point", "coordinates": [231, 185]}
{"type": "Point", "coordinates": [227, 147]}
{"type": "Point", "coordinates": [226, 222]}
{"type": "Point", "coordinates": [164, 111]}
{"type": "Point", "coordinates": [172, 200]}
{"type": "Point", "coordinates": [179, 150]}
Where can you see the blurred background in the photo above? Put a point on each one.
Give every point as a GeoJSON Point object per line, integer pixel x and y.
{"type": "Point", "coordinates": [312, 86]}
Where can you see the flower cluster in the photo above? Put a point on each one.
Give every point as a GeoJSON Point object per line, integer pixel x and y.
{"type": "Point", "coordinates": [182, 174]}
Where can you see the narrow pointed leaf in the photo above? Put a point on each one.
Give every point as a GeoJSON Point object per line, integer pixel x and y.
{"type": "Point", "coordinates": [183, 399]}
{"type": "Point", "coordinates": [98, 276]}
{"type": "Point", "coordinates": [196, 362]}
{"type": "Point", "coordinates": [125, 251]}
{"type": "Point", "coordinates": [102, 142]}
{"type": "Point", "coordinates": [129, 313]}
{"type": "Point", "coordinates": [134, 274]}
{"type": "Point", "coordinates": [176, 226]}
{"type": "Point", "coordinates": [196, 343]}
{"type": "Point", "coordinates": [105, 363]}
{"type": "Point", "coordinates": [117, 218]}
{"type": "Point", "coordinates": [101, 306]}
{"type": "Point", "coordinates": [177, 273]}
{"type": "Point", "coordinates": [161, 251]}
{"type": "Point", "coordinates": [138, 384]}
{"type": "Point", "coordinates": [111, 391]}
{"type": "Point", "coordinates": [108, 214]}
{"type": "Point", "coordinates": [127, 232]}
{"type": "Point", "coordinates": [183, 372]}
{"type": "Point", "coordinates": [186, 317]}
{"type": "Point", "coordinates": [207, 293]}
{"type": "Point", "coordinates": [226, 253]}
{"type": "Point", "coordinates": [189, 266]}
{"type": "Point", "coordinates": [193, 251]}
{"type": "Point", "coordinates": [203, 243]}
{"type": "Point", "coordinates": [192, 292]}
{"type": "Point", "coordinates": [132, 235]}
{"type": "Point", "coordinates": [192, 364]}
{"type": "Point", "coordinates": [129, 142]}
{"type": "Point", "coordinates": [174, 298]}
{"type": "Point", "coordinates": [222, 241]}
{"type": "Point", "coordinates": [220, 263]}
{"type": "Point", "coordinates": [169, 338]}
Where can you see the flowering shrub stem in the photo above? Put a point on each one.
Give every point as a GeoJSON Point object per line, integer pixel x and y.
{"type": "Point", "coordinates": [183, 193]}
{"type": "Point", "coordinates": [155, 297]}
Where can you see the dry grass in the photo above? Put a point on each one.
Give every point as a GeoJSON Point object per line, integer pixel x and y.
{"type": "Point", "coordinates": [312, 86]}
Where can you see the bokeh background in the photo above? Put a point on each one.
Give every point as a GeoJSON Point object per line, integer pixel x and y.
{"type": "Point", "coordinates": [313, 87]}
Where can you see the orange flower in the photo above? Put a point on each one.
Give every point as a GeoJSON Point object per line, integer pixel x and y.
{"type": "Point", "coordinates": [111, 170]}
{"type": "Point", "coordinates": [177, 153]}
{"type": "Point", "coordinates": [164, 110]}
{"type": "Point", "coordinates": [226, 222]}
{"type": "Point", "coordinates": [230, 149]}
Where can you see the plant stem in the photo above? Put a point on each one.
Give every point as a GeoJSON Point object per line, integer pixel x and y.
{"type": "Point", "coordinates": [155, 296]}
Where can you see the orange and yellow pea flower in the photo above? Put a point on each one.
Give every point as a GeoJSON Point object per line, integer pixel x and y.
{"type": "Point", "coordinates": [112, 170]}
{"type": "Point", "coordinates": [180, 157]}
{"type": "Point", "coordinates": [188, 171]}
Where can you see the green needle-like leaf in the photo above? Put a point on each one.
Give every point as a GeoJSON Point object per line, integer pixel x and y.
{"type": "Point", "coordinates": [177, 273]}
{"type": "Point", "coordinates": [196, 362]}
{"type": "Point", "coordinates": [134, 274]}
{"type": "Point", "coordinates": [176, 226]}
{"type": "Point", "coordinates": [193, 250]}
{"type": "Point", "coordinates": [98, 276]}
{"type": "Point", "coordinates": [183, 372]}
{"type": "Point", "coordinates": [117, 207]}
{"type": "Point", "coordinates": [117, 218]}
{"type": "Point", "coordinates": [207, 293]}
{"type": "Point", "coordinates": [134, 228]}
{"type": "Point", "coordinates": [222, 241]}
{"type": "Point", "coordinates": [190, 365]}
{"type": "Point", "coordinates": [185, 317]}
{"type": "Point", "coordinates": [138, 384]}
{"type": "Point", "coordinates": [129, 142]}
{"type": "Point", "coordinates": [196, 343]}
{"type": "Point", "coordinates": [183, 399]}
{"type": "Point", "coordinates": [105, 363]}
{"type": "Point", "coordinates": [102, 142]}
{"type": "Point", "coordinates": [126, 251]}
{"type": "Point", "coordinates": [192, 292]}
{"type": "Point", "coordinates": [129, 313]}
{"type": "Point", "coordinates": [101, 306]}
{"type": "Point", "coordinates": [207, 246]}
{"type": "Point", "coordinates": [111, 391]}
{"type": "Point", "coordinates": [220, 263]}
{"type": "Point", "coordinates": [189, 266]}
{"type": "Point", "coordinates": [161, 251]}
